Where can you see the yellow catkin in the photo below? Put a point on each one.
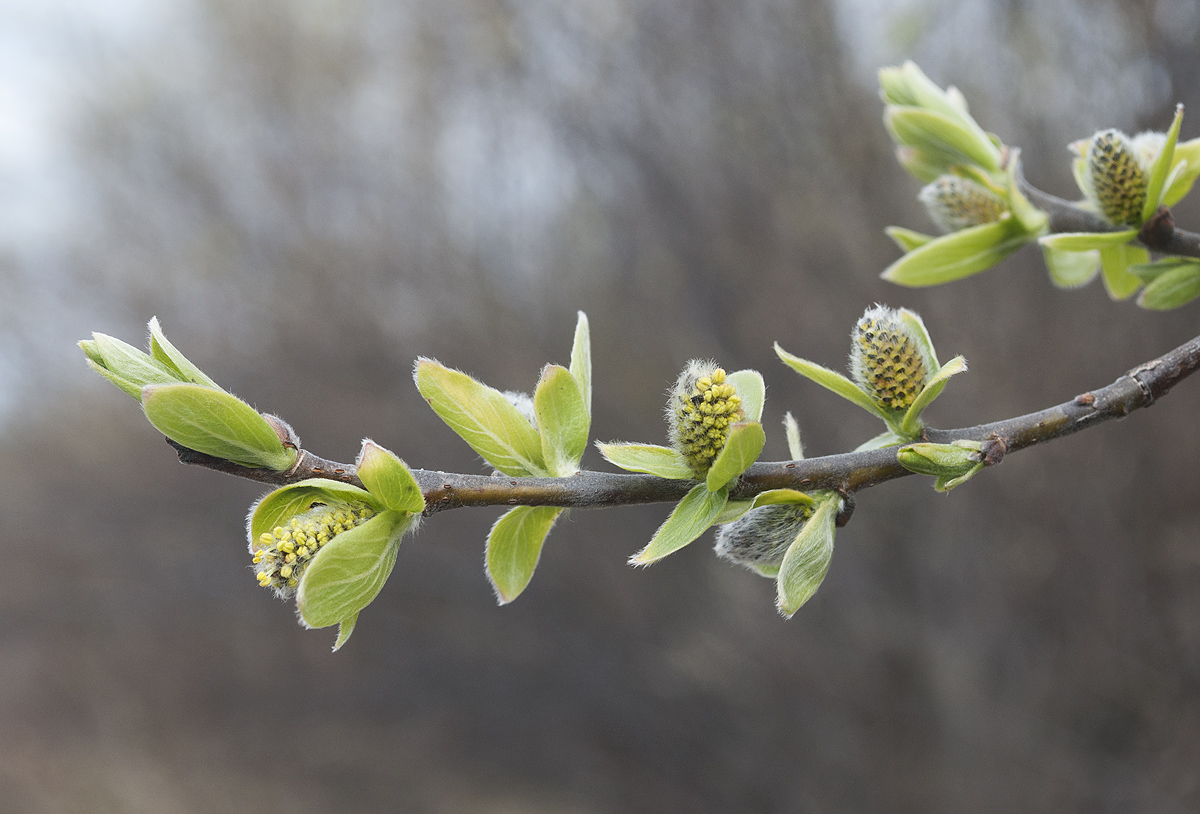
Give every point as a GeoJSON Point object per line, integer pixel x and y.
{"type": "Point", "coordinates": [701, 408]}
{"type": "Point", "coordinates": [281, 555]}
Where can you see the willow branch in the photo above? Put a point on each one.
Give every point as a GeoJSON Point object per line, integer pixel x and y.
{"type": "Point", "coordinates": [848, 472]}
{"type": "Point", "coordinates": [1158, 234]}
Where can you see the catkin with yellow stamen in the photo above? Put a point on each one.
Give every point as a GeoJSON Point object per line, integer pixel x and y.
{"type": "Point", "coordinates": [701, 407]}
{"type": "Point", "coordinates": [957, 203]}
{"type": "Point", "coordinates": [887, 359]}
{"type": "Point", "coordinates": [281, 555]}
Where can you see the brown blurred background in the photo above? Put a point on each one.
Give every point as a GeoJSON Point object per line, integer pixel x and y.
{"type": "Point", "coordinates": [309, 194]}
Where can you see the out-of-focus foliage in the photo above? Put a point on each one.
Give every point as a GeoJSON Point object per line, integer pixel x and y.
{"type": "Point", "coordinates": [312, 194]}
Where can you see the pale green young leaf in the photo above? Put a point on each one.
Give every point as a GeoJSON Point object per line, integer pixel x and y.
{"type": "Point", "coordinates": [946, 482]}
{"type": "Point", "coordinates": [1149, 272]}
{"type": "Point", "coordinates": [792, 430]}
{"type": "Point", "coordinates": [881, 441]}
{"type": "Point", "coordinates": [734, 509]}
{"type": "Point", "coordinates": [742, 447]}
{"type": "Point", "coordinates": [920, 333]}
{"type": "Point", "coordinates": [923, 166]}
{"type": "Point", "coordinates": [563, 420]}
{"type": "Point", "coordinates": [169, 355]}
{"type": "Point", "coordinates": [482, 417]}
{"type": "Point", "coordinates": [345, 630]}
{"type": "Point", "coordinates": [1114, 265]}
{"type": "Point", "coordinates": [389, 479]}
{"type": "Point", "coordinates": [1157, 181]}
{"type": "Point", "coordinates": [911, 424]}
{"type": "Point", "coordinates": [777, 497]}
{"type": "Point", "coordinates": [215, 423]}
{"type": "Point", "coordinates": [907, 239]}
{"type": "Point", "coordinates": [350, 570]}
{"type": "Point", "coordinates": [131, 369]}
{"type": "Point", "coordinates": [514, 546]}
{"type": "Point", "coordinates": [1085, 241]}
{"type": "Point", "coordinates": [1071, 269]}
{"type": "Point", "coordinates": [1173, 288]}
{"type": "Point", "coordinates": [1184, 173]}
{"type": "Point", "coordinates": [941, 134]}
{"type": "Point", "coordinates": [277, 507]}
{"type": "Point", "coordinates": [958, 254]}
{"type": "Point", "coordinates": [950, 460]}
{"type": "Point", "coordinates": [649, 458]}
{"type": "Point", "coordinates": [694, 515]}
{"type": "Point", "coordinates": [581, 360]}
{"type": "Point", "coordinates": [807, 560]}
{"type": "Point", "coordinates": [831, 380]}
{"type": "Point", "coordinates": [751, 390]}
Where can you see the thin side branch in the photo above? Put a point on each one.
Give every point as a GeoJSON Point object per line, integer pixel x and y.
{"type": "Point", "coordinates": [848, 472]}
{"type": "Point", "coordinates": [1158, 234]}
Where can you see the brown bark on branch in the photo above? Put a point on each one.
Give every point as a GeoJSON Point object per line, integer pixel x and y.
{"type": "Point", "coordinates": [847, 472]}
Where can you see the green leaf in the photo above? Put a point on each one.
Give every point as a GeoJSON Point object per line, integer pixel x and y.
{"type": "Point", "coordinates": [1172, 289]}
{"type": "Point", "coordinates": [881, 441]}
{"type": "Point", "coordinates": [751, 390]}
{"type": "Point", "coordinates": [907, 239]}
{"type": "Point", "coordinates": [482, 417]}
{"type": "Point", "coordinates": [742, 448]}
{"type": "Point", "coordinates": [925, 167]}
{"type": "Point", "coordinates": [807, 560]}
{"type": "Point", "coordinates": [215, 423]}
{"type": "Point", "coordinates": [1114, 265]}
{"type": "Point", "coordinates": [350, 570]}
{"type": "Point", "coordinates": [1184, 173]}
{"type": "Point", "coordinates": [945, 483]}
{"type": "Point", "coordinates": [649, 458]}
{"type": "Point", "coordinates": [958, 254]}
{"type": "Point", "coordinates": [1071, 269]}
{"type": "Point", "coordinates": [169, 355]}
{"type": "Point", "coordinates": [777, 497]}
{"type": "Point", "coordinates": [920, 333]}
{"type": "Point", "coordinates": [792, 430]}
{"type": "Point", "coordinates": [830, 380]}
{"type": "Point", "coordinates": [1149, 272]}
{"type": "Point", "coordinates": [581, 360]}
{"type": "Point", "coordinates": [127, 367]}
{"type": "Point", "coordinates": [563, 420]}
{"type": "Point", "coordinates": [345, 629]}
{"type": "Point", "coordinates": [389, 479]}
{"type": "Point", "coordinates": [1085, 241]}
{"type": "Point", "coordinates": [733, 510]}
{"type": "Point", "coordinates": [694, 515]}
{"type": "Point", "coordinates": [941, 135]}
{"type": "Point", "coordinates": [514, 546]}
{"type": "Point", "coordinates": [284, 503]}
{"type": "Point", "coordinates": [910, 426]}
{"type": "Point", "coordinates": [1156, 183]}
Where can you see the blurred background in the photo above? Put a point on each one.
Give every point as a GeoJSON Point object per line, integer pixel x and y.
{"type": "Point", "coordinates": [311, 193]}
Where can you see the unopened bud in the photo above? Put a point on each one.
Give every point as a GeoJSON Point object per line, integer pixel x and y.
{"type": "Point", "coordinates": [760, 538]}
{"type": "Point", "coordinates": [957, 203]}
